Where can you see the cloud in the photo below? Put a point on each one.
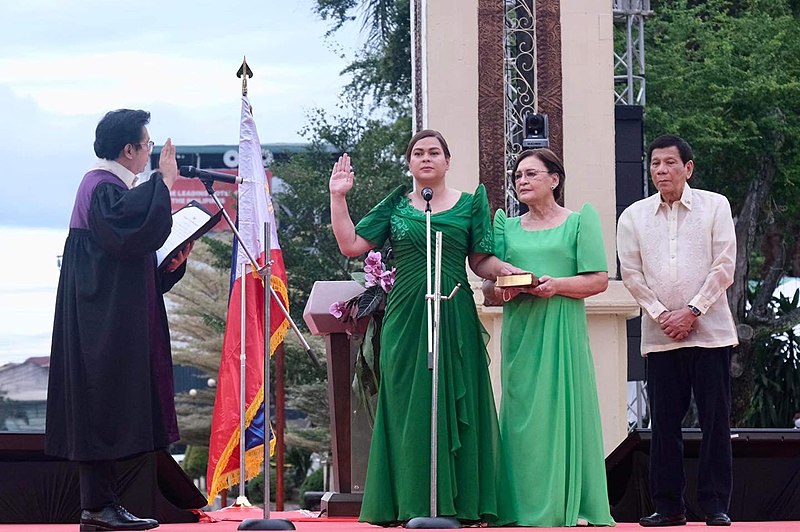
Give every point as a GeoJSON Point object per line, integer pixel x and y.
{"type": "Point", "coordinates": [42, 157]}
{"type": "Point", "coordinates": [63, 64]}
{"type": "Point", "coordinates": [82, 84]}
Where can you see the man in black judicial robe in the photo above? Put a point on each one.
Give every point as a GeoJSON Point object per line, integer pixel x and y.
{"type": "Point", "coordinates": [110, 394]}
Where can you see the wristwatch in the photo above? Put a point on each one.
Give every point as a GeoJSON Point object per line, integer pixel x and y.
{"type": "Point", "coordinates": [695, 310]}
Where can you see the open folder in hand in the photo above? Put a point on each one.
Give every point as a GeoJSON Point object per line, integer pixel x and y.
{"type": "Point", "coordinates": [188, 224]}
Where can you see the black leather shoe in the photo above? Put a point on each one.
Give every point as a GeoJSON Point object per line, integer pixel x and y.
{"type": "Point", "coordinates": [658, 519]}
{"type": "Point", "coordinates": [718, 519]}
{"type": "Point", "coordinates": [114, 517]}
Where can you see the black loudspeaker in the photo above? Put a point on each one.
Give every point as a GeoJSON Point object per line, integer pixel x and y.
{"type": "Point", "coordinates": [629, 155]}
{"type": "Point", "coordinates": [637, 364]}
{"type": "Point", "coordinates": [766, 475]}
{"type": "Point", "coordinates": [630, 187]}
{"type": "Point", "coordinates": [36, 488]}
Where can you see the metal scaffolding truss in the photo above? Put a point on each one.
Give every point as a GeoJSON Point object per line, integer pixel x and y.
{"type": "Point", "coordinates": [629, 89]}
{"type": "Point", "coordinates": [629, 80]}
{"type": "Point", "coordinates": [638, 413]}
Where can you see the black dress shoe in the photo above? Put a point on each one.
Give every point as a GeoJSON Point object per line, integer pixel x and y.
{"type": "Point", "coordinates": [658, 519]}
{"type": "Point", "coordinates": [718, 519]}
{"type": "Point", "coordinates": [114, 517]}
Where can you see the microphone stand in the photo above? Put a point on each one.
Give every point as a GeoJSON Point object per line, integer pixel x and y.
{"type": "Point", "coordinates": [265, 272]}
{"type": "Point", "coordinates": [266, 523]}
{"type": "Point", "coordinates": [434, 521]}
{"type": "Point", "coordinates": [428, 292]}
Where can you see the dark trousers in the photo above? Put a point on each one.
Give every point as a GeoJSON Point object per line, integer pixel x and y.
{"type": "Point", "coordinates": [98, 484]}
{"type": "Point", "coordinates": [672, 377]}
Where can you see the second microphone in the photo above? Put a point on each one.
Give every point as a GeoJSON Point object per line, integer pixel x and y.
{"type": "Point", "coordinates": [208, 175]}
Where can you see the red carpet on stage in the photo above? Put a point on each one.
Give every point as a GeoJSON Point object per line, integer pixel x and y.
{"type": "Point", "coordinates": [227, 520]}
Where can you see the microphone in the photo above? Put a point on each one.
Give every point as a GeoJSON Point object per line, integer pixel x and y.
{"type": "Point", "coordinates": [427, 195]}
{"type": "Point", "coordinates": [208, 175]}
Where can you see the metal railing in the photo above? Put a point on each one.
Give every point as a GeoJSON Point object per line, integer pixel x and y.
{"type": "Point", "coordinates": [521, 92]}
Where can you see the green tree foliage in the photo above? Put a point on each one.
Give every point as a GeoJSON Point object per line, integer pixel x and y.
{"type": "Point", "coordinates": [195, 460]}
{"type": "Point", "coordinates": [255, 487]}
{"type": "Point", "coordinates": [306, 390]}
{"type": "Point", "coordinates": [382, 69]}
{"type": "Point", "coordinates": [725, 75]}
{"type": "Point", "coordinates": [313, 482]}
{"type": "Point", "coordinates": [373, 125]}
{"type": "Point", "coordinates": [199, 305]}
{"type": "Point", "coordinates": [776, 390]}
{"type": "Point", "coordinates": [310, 250]}
{"type": "Point", "coordinates": [198, 308]}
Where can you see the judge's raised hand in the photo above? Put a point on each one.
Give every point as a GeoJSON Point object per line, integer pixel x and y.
{"type": "Point", "coordinates": [180, 258]}
{"type": "Point", "coordinates": [167, 164]}
{"type": "Point", "coordinates": [341, 176]}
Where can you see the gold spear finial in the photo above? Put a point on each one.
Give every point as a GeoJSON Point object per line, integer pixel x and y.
{"type": "Point", "coordinates": [244, 72]}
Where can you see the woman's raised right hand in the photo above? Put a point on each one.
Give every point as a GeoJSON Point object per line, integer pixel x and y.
{"type": "Point", "coordinates": [341, 176]}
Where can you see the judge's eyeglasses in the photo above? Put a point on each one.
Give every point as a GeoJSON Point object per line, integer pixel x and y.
{"type": "Point", "coordinates": [149, 145]}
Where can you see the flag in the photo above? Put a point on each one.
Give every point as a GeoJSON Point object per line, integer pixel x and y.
{"type": "Point", "coordinates": [255, 208]}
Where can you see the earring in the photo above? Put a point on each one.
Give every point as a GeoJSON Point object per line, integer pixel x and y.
{"type": "Point", "coordinates": [553, 187]}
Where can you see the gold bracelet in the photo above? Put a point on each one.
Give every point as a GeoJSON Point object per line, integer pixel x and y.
{"type": "Point", "coordinates": [505, 293]}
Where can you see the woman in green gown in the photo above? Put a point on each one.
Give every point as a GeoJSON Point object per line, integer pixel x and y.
{"type": "Point", "coordinates": [471, 474]}
{"type": "Point", "coordinates": [549, 414]}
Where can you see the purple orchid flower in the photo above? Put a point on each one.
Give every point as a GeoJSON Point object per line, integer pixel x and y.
{"type": "Point", "coordinates": [337, 309]}
{"type": "Point", "coordinates": [387, 280]}
{"type": "Point", "coordinates": [373, 264]}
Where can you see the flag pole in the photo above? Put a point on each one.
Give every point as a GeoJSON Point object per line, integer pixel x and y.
{"type": "Point", "coordinates": [267, 347]}
{"type": "Point", "coordinates": [266, 278]}
{"type": "Point", "coordinates": [263, 273]}
{"type": "Point", "coordinates": [280, 427]}
{"type": "Point", "coordinates": [241, 500]}
{"type": "Point", "coordinates": [245, 72]}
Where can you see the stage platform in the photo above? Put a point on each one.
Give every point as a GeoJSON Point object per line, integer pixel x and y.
{"type": "Point", "coordinates": [227, 520]}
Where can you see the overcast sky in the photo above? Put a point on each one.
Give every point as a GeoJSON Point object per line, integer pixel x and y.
{"type": "Point", "coordinates": [64, 63]}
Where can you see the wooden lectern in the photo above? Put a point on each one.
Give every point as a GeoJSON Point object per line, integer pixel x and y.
{"type": "Point", "coordinates": [345, 499]}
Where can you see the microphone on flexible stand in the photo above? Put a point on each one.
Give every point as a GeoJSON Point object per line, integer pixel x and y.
{"type": "Point", "coordinates": [208, 175]}
{"type": "Point", "coordinates": [427, 195]}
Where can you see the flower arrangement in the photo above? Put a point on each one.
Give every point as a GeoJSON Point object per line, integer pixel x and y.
{"type": "Point", "coordinates": [377, 281]}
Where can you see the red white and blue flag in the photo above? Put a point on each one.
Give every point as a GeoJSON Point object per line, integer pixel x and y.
{"type": "Point", "coordinates": [255, 208]}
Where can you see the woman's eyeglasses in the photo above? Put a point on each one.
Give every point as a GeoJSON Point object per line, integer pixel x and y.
{"type": "Point", "coordinates": [530, 175]}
